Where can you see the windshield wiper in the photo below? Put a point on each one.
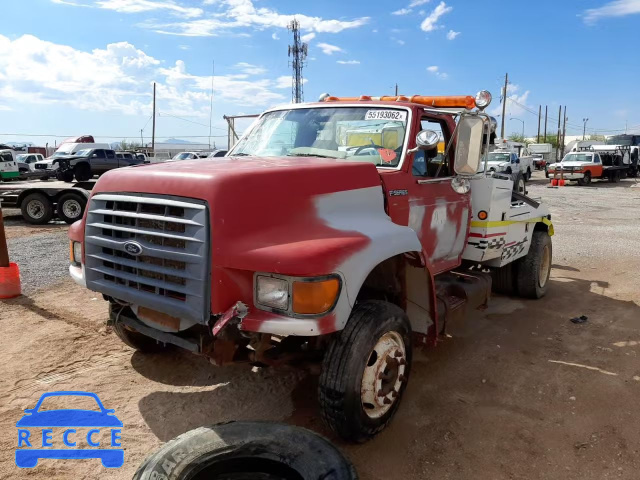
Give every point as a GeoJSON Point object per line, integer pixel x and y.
{"type": "Point", "coordinates": [240, 155]}
{"type": "Point", "coordinates": [310, 155]}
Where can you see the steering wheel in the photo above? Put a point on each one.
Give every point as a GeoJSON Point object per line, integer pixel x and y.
{"type": "Point", "coordinates": [363, 147]}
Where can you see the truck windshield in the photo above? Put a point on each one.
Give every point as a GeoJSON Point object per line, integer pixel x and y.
{"type": "Point", "coordinates": [578, 157]}
{"type": "Point", "coordinates": [499, 157]}
{"type": "Point", "coordinates": [365, 133]}
{"type": "Point", "coordinates": [619, 140]}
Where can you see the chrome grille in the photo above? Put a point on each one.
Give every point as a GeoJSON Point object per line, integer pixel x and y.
{"type": "Point", "coordinates": [170, 272]}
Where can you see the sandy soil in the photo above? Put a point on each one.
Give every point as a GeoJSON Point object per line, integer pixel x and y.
{"type": "Point", "coordinates": [507, 396]}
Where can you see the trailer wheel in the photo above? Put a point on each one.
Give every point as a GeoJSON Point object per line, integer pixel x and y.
{"type": "Point", "coordinates": [533, 270]}
{"type": "Point", "coordinates": [247, 450]}
{"type": "Point", "coordinates": [503, 280]}
{"type": "Point", "coordinates": [586, 180]}
{"type": "Point", "coordinates": [37, 209]}
{"type": "Point", "coordinates": [82, 172]}
{"type": "Point", "coordinates": [365, 371]}
{"type": "Point", "coordinates": [71, 207]}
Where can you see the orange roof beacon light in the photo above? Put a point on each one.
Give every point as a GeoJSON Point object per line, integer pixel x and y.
{"type": "Point", "coordinates": [481, 100]}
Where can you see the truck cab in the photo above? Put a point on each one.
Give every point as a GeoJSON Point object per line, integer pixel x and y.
{"type": "Point", "coordinates": [333, 233]}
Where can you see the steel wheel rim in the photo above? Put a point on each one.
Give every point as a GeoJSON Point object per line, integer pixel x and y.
{"type": "Point", "coordinates": [71, 208]}
{"type": "Point", "coordinates": [545, 267]}
{"type": "Point", "coordinates": [383, 375]}
{"type": "Point", "coordinates": [35, 209]}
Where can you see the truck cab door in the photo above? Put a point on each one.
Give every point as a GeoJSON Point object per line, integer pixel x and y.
{"type": "Point", "coordinates": [434, 210]}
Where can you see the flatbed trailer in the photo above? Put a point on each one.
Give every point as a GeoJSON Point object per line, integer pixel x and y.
{"type": "Point", "coordinates": [40, 202]}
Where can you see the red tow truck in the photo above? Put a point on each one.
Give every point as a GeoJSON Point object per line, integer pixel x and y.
{"type": "Point", "coordinates": [332, 233]}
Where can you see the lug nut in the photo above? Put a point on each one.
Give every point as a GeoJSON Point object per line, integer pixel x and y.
{"type": "Point", "coordinates": [398, 354]}
{"type": "Point", "coordinates": [380, 393]}
{"type": "Point", "coordinates": [394, 393]}
{"type": "Point", "coordinates": [402, 361]}
{"type": "Point", "coordinates": [386, 401]}
{"type": "Point", "coordinates": [402, 378]}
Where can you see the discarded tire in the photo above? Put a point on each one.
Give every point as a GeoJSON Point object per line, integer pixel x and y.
{"type": "Point", "coordinates": [247, 450]}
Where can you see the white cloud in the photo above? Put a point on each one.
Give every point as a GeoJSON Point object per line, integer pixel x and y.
{"type": "Point", "coordinates": [116, 78]}
{"type": "Point", "coordinates": [451, 35]}
{"type": "Point", "coordinates": [234, 14]}
{"type": "Point", "coordinates": [516, 99]}
{"type": "Point", "coordinates": [435, 70]}
{"type": "Point", "coordinates": [285, 81]}
{"type": "Point", "coordinates": [617, 8]}
{"type": "Point", "coordinates": [184, 47]}
{"type": "Point", "coordinates": [275, 36]}
{"type": "Point", "coordinates": [348, 62]}
{"type": "Point", "coordinates": [308, 37]}
{"type": "Point", "coordinates": [250, 69]}
{"type": "Point", "coordinates": [430, 23]}
{"type": "Point", "coordinates": [407, 10]}
{"type": "Point", "coordinates": [398, 41]}
{"type": "Point", "coordinates": [137, 6]}
{"type": "Point", "coordinates": [328, 49]}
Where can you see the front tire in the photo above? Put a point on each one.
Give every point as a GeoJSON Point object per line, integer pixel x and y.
{"type": "Point", "coordinates": [134, 339]}
{"type": "Point", "coordinates": [519, 183]}
{"type": "Point", "coordinates": [534, 269]}
{"type": "Point", "coordinates": [586, 180]}
{"type": "Point", "coordinates": [365, 371]}
{"type": "Point", "coordinates": [82, 172]}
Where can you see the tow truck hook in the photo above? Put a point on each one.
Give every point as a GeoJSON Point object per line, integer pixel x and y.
{"type": "Point", "coordinates": [238, 311]}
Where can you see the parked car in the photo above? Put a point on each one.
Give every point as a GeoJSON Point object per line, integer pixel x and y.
{"type": "Point", "coordinates": [188, 156]}
{"type": "Point", "coordinates": [8, 165]}
{"type": "Point", "coordinates": [65, 150]}
{"type": "Point", "coordinates": [27, 161]}
{"type": "Point", "coordinates": [217, 153]}
{"type": "Point", "coordinates": [89, 162]}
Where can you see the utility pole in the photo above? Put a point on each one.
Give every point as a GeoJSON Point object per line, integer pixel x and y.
{"type": "Point", "coordinates": [396, 89]}
{"type": "Point", "coordinates": [504, 103]}
{"type": "Point", "coordinates": [546, 111]}
{"type": "Point", "coordinates": [213, 74]}
{"type": "Point", "coordinates": [584, 128]}
{"type": "Point", "coordinates": [153, 130]}
{"type": "Point", "coordinates": [564, 130]}
{"type": "Point", "coordinates": [299, 53]}
{"type": "Point", "coordinates": [539, 118]}
{"type": "Point", "coordinates": [559, 131]}
{"type": "Point", "coordinates": [141, 139]}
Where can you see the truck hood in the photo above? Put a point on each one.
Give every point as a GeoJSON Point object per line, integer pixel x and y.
{"type": "Point", "coordinates": [571, 164]}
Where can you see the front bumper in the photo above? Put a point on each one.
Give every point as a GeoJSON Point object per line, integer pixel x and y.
{"type": "Point", "coordinates": [567, 175]}
{"type": "Point", "coordinates": [77, 273]}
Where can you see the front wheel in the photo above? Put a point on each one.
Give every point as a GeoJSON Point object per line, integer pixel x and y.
{"type": "Point", "coordinates": [586, 180]}
{"type": "Point", "coordinates": [37, 209]}
{"type": "Point", "coordinates": [83, 172]}
{"type": "Point", "coordinates": [365, 371]}
{"type": "Point", "coordinates": [519, 183]}
{"type": "Point", "coordinates": [534, 269]}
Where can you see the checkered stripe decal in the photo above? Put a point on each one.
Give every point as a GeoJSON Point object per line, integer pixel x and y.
{"type": "Point", "coordinates": [484, 244]}
{"type": "Point", "coordinates": [514, 250]}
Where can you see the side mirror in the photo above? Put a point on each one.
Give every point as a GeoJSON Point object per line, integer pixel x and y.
{"type": "Point", "coordinates": [95, 155]}
{"type": "Point", "coordinates": [427, 140]}
{"type": "Point", "coordinates": [469, 145]}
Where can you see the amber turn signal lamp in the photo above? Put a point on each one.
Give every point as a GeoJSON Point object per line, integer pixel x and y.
{"type": "Point", "coordinates": [482, 215]}
{"type": "Point", "coordinates": [314, 297]}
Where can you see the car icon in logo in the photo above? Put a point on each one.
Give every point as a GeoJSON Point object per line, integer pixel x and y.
{"type": "Point", "coordinates": [133, 248]}
{"type": "Point", "coordinates": [103, 425]}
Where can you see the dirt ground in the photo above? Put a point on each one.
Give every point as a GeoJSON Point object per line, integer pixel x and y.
{"type": "Point", "coordinates": [516, 392]}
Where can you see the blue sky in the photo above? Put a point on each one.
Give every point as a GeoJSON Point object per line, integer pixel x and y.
{"type": "Point", "coordinates": [72, 67]}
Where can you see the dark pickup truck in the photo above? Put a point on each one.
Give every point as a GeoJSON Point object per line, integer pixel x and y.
{"type": "Point", "coordinates": [93, 161]}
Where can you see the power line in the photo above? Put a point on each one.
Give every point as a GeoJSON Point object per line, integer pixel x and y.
{"type": "Point", "coordinates": [163, 114]}
{"type": "Point", "coordinates": [100, 136]}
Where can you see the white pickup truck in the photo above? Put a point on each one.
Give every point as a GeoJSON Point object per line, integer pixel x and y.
{"type": "Point", "coordinates": [504, 161]}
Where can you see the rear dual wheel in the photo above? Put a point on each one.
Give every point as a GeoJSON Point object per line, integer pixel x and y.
{"type": "Point", "coordinates": [365, 371]}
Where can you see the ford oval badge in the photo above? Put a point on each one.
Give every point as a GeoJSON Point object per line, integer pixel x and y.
{"type": "Point", "coordinates": [133, 248]}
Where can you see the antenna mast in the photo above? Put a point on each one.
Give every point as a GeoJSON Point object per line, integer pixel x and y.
{"type": "Point", "coordinates": [298, 52]}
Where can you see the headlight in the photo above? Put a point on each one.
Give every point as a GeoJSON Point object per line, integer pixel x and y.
{"type": "Point", "coordinates": [298, 296]}
{"type": "Point", "coordinates": [483, 99]}
{"type": "Point", "coordinates": [76, 253]}
{"type": "Point", "coordinates": [272, 292]}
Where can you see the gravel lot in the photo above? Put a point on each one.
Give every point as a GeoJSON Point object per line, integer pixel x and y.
{"type": "Point", "coordinates": [518, 392]}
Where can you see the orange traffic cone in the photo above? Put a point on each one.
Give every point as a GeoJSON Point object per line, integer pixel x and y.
{"type": "Point", "coordinates": [554, 182]}
{"type": "Point", "coordinates": [9, 272]}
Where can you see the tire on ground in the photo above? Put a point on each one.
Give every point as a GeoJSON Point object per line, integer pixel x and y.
{"type": "Point", "coordinates": [352, 356]}
{"type": "Point", "coordinates": [82, 172]}
{"type": "Point", "coordinates": [136, 340]}
{"type": "Point", "coordinates": [241, 450]}
{"type": "Point", "coordinates": [518, 182]}
{"type": "Point", "coordinates": [533, 270]}
{"type": "Point", "coordinates": [37, 208]}
{"type": "Point", "coordinates": [71, 207]}
{"type": "Point", "coordinates": [503, 280]}
{"type": "Point", "coordinates": [586, 180]}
